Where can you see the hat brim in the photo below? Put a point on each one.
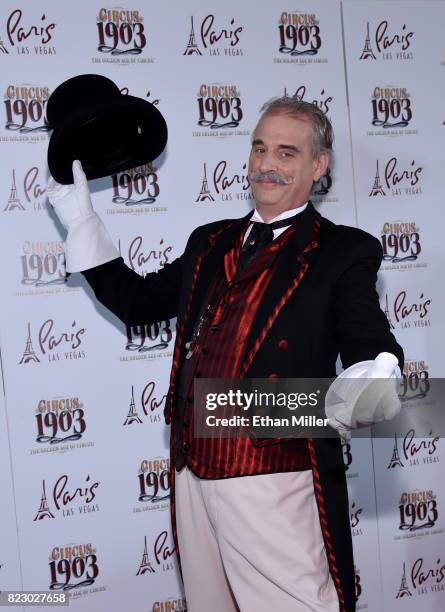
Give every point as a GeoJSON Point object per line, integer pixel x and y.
{"type": "Point", "coordinates": [107, 138]}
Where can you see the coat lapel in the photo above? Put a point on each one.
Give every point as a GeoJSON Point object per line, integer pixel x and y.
{"type": "Point", "coordinates": [220, 253]}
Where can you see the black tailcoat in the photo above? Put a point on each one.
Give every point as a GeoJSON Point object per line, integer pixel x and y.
{"type": "Point", "coordinates": [321, 299]}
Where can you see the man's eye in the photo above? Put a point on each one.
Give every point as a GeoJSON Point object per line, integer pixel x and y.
{"type": "Point", "coordinates": [286, 154]}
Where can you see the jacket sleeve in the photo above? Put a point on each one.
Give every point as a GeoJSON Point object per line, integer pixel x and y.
{"type": "Point", "coordinates": [134, 299]}
{"type": "Point", "coordinates": [361, 328]}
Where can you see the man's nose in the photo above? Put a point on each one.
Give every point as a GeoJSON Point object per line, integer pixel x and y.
{"type": "Point", "coordinates": [268, 162]}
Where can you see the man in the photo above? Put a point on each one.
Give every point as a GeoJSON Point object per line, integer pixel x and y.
{"type": "Point", "coordinates": [276, 294]}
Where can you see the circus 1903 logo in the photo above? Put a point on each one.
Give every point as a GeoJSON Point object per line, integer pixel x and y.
{"type": "Point", "coordinates": [220, 110]}
{"type": "Point", "coordinates": [42, 263]}
{"type": "Point", "coordinates": [421, 577]}
{"type": "Point", "coordinates": [150, 340]}
{"type": "Point", "coordinates": [25, 111]}
{"type": "Point", "coordinates": [59, 421]}
{"type": "Point", "coordinates": [418, 510]}
{"type": "Point", "coordinates": [121, 33]}
{"type": "Point", "coordinates": [160, 558]}
{"type": "Point", "coordinates": [28, 35]}
{"type": "Point", "coordinates": [220, 183]}
{"type": "Point", "coordinates": [172, 604]}
{"type": "Point", "coordinates": [136, 190]}
{"type": "Point", "coordinates": [27, 191]}
{"type": "Point", "coordinates": [391, 109]}
{"type": "Point", "coordinates": [387, 42]}
{"type": "Point", "coordinates": [54, 343]}
{"type": "Point", "coordinates": [401, 243]}
{"type": "Point", "coordinates": [149, 404]}
{"type": "Point", "coordinates": [300, 38]}
{"type": "Point", "coordinates": [74, 566]}
{"type": "Point", "coordinates": [153, 484]}
{"type": "Point", "coordinates": [213, 37]}
{"type": "Point", "coordinates": [415, 383]}
{"type": "Point", "coordinates": [67, 498]}
{"type": "Point", "coordinates": [398, 179]}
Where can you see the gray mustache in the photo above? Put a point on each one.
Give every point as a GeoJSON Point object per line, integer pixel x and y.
{"type": "Point", "coordinates": [259, 177]}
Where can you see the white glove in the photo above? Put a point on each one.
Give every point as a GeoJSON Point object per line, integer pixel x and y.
{"type": "Point", "coordinates": [87, 244]}
{"type": "Point", "coordinates": [364, 394]}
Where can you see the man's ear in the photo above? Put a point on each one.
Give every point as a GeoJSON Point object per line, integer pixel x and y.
{"type": "Point", "coordinates": [321, 165]}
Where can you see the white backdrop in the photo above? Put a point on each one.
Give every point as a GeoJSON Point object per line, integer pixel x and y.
{"type": "Point", "coordinates": [84, 450]}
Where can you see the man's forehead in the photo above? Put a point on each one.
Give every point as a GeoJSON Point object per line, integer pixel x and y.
{"type": "Point", "coordinates": [295, 128]}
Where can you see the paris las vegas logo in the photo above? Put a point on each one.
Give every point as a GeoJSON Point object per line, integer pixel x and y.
{"type": "Point", "coordinates": [158, 556]}
{"type": "Point", "coordinates": [402, 245]}
{"type": "Point", "coordinates": [53, 342]}
{"type": "Point", "coordinates": [221, 184]}
{"type": "Point", "coordinates": [219, 110]}
{"type": "Point", "coordinates": [60, 425]}
{"type": "Point", "coordinates": [121, 36]}
{"type": "Point", "coordinates": [74, 567]}
{"type": "Point", "coordinates": [421, 577]}
{"type": "Point", "coordinates": [358, 588]}
{"type": "Point", "coordinates": [24, 112]}
{"type": "Point", "coordinates": [300, 38]}
{"type": "Point", "coordinates": [407, 309]}
{"type": "Point", "coordinates": [388, 41]}
{"type": "Point", "coordinates": [398, 178]}
{"type": "Point", "coordinates": [148, 408]}
{"type": "Point", "coordinates": [414, 450]}
{"type": "Point", "coordinates": [27, 191]}
{"type": "Point", "coordinates": [67, 497]}
{"type": "Point", "coordinates": [355, 514]}
{"type": "Point", "coordinates": [28, 33]}
{"type": "Point", "coordinates": [392, 108]}
{"type": "Point", "coordinates": [209, 35]}
{"type": "Point", "coordinates": [153, 484]}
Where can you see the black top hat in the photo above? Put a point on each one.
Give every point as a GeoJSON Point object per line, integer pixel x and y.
{"type": "Point", "coordinates": [106, 130]}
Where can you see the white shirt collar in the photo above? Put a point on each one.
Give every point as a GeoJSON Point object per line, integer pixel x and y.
{"type": "Point", "coordinates": [284, 215]}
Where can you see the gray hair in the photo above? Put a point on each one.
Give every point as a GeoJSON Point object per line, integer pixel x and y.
{"type": "Point", "coordinates": [322, 132]}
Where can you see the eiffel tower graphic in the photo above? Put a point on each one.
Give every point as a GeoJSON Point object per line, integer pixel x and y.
{"type": "Point", "coordinates": [205, 194]}
{"type": "Point", "coordinates": [28, 353]}
{"type": "Point", "coordinates": [145, 565]}
{"type": "Point", "coordinates": [43, 510]}
{"type": "Point", "coordinates": [386, 311]}
{"type": "Point", "coordinates": [192, 48]}
{"type": "Point", "coordinates": [403, 589]}
{"type": "Point", "coordinates": [395, 459]}
{"type": "Point", "coordinates": [367, 50]}
{"type": "Point", "coordinates": [132, 415]}
{"type": "Point", "coordinates": [13, 200]}
{"type": "Point", "coordinates": [377, 188]}
{"type": "Point", "coordinates": [3, 49]}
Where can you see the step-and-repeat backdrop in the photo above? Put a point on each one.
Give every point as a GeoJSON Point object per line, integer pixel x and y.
{"type": "Point", "coordinates": [84, 449]}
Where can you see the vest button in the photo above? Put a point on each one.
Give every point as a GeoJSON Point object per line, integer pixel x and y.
{"type": "Point", "coordinates": [205, 350]}
{"type": "Point", "coordinates": [274, 375]}
{"type": "Point", "coordinates": [215, 328]}
{"type": "Point", "coordinates": [283, 344]}
{"type": "Point", "coordinates": [190, 399]}
{"type": "Point", "coordinates": [186, 423]}
{"type": "Point", "coordinates": [186, 446]}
